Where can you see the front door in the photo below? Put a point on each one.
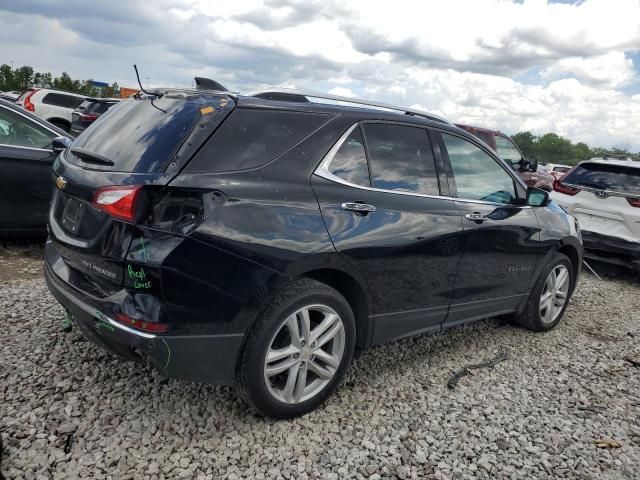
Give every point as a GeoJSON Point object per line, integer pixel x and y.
{"type": "Point", "coordinates": [25, 172]}
{"type": "Point", "coordinates": [501, 233]}
{"type": "Point", "coordinates": [379, 193]}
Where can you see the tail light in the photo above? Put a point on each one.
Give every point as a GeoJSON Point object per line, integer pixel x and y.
{"type": "Point", "coordinates": [89, 117]}
{"type": "Point", "coordinates": [634, 201]}
{"type": "Point", "coordinates": [558, 186]}
{"type": "Point", "coordinates": [27, 101]}
{"type": "Point", "coordinates": [153, 327]}
{"type": "Point", "coordinates": [120, 202]}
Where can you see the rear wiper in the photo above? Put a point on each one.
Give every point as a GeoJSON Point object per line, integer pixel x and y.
{"type": "Point", "coordinates": [91, 157]}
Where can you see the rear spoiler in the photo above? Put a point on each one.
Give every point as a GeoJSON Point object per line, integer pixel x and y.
{"type": "Point", "coordinates": [203, 83]}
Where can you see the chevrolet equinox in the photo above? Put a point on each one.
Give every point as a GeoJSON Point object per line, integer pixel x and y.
{"type": "Point", "coordinates": [265, 239]}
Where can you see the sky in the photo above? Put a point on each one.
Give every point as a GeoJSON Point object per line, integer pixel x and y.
{"type": "Point", "coordinates": [567, 67]}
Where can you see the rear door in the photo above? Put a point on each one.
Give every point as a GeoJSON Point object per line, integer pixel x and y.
{"type": "Point", "coordinates": [25, 177]}
{"type": "Point", "coordinates": [380, 195]}
{"type": "Point", "coordinates": [501, 235]}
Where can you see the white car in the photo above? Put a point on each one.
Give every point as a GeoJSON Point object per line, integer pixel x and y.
{"type": "Point", "coordinates": [556, 170]}
{"type": "Point", "coordinates": [604, 195]}
{"type": "Point", "coordinates": [55, 106]}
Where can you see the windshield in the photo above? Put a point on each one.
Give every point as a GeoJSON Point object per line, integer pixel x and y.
{"type": "Point", "coordinates": [140, 135]}
{"type": "Point", "coordinates": [616, 178]}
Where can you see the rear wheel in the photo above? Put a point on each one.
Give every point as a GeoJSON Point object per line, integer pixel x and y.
{"type": "Point", "coordinates": [550, 295]}
{"type": "Point", "coordinates": [298, 350]}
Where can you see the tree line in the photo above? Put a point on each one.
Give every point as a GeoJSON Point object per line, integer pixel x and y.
{"type": "Point", "coordinates": [548, 148]}
{"type": "Point", "coordinates": [552, 148]}
{"type": "Point", "coordinates": [22, 78]}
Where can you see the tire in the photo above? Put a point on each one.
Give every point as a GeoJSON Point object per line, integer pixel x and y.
{"type": "Point", "coordinates": [272, 394]}
{"type": "Point", "coordinates": [532, 316]}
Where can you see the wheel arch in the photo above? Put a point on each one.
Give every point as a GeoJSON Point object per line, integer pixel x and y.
{"type": "Point", "coordinates": [355, 294]}
{"type": "Point", "coordinates": [59, 120]}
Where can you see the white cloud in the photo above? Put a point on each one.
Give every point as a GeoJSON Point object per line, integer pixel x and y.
{"type": "Point", "coordinates": [612, 69]}
{"type": "Point", "coordinates": [498, 63]}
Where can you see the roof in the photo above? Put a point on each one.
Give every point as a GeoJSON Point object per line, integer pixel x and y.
{"type": "Point", "coordinates": [613, 161]}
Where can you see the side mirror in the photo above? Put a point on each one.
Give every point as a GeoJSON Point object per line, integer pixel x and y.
{"type": "Point", "coordinates": [60, 144]}
{"type": "Point", "coordinates": [533, 164]}
{"type": "Point", "coordinates": [536, 197]}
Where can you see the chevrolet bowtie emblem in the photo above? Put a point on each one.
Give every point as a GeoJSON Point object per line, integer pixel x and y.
{"type": "Point", "coordinates": [61, 183]}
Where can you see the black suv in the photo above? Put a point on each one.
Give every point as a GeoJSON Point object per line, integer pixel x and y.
{"type": "Point", "coordinates": [88, 112]}
{"type": "Point", "coordinates": [264, 239]}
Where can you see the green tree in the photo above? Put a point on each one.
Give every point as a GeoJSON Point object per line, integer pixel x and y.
{"type": "Point", "coordinates": [526, 142]}
{"type": "Point", "coordinates": [22, 78]}
{"type": "Point", "coordinates": [6, 78]}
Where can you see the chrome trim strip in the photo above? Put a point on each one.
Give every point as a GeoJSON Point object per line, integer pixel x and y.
{"type": "Point", "coordinates": [129, 330]}
{"type": "Point", "coordinates": [25, 148]}
{"type": "Point", "coordinates": [352, 101]}
{"type": "Point", "coordinates": [32, 119]}
{"type": "Point", "coordinates": [323, 171]}
{"type": "Point", "coordinates": [610, 193]}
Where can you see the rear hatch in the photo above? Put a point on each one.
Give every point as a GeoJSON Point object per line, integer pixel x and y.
{"type": "Point", "coordinates": [138, 146]}
{"type": "Point", "coordinates": [604, 197]}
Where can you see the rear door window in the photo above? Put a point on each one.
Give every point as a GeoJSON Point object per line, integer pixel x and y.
{"type": "Point", "coordinates": [616, 178]}
{"type": "Point", "coordinates": [350, 161]}
{"type": "Point", "coordinates": [250, 138]}
{"type": "Point", "coordinates": [477, 175]}
{"type": "Point", "coordinates": [400, 158]}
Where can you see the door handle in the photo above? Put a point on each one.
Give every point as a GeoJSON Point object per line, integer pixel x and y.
{"type": "Point", "coordinates": [476, 217]}
{"type": "Point", "coordinates": [362, 208]}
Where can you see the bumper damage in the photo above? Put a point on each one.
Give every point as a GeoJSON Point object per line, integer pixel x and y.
{"type": "Point", "coordinates": [611, 249]}
{"type": "Point", "coordinates": [203, 358]}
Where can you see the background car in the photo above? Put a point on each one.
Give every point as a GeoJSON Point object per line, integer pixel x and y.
{"type": "Point", "coordinates": [261, 239]}
{"type": "Point", "coordinates": [10, 96]}
{"type": "Point", "coordinates": [556, 170]}
{"type": "Point", "coordinates": [508, 150]}
{"type": "Point", "coordinates": [604, 195]}
{"type": "Point", "coordinates": [26, 156]}
{"type": "Point", "coordinates": [88, 112]}
{"type": "Point", "coordinates": [55, 106]}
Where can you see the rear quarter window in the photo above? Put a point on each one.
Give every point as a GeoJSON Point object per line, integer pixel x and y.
{"type": "Point", "coordinates": [62, 100]}
{"type": "Point", "coordinates": [250, 138]}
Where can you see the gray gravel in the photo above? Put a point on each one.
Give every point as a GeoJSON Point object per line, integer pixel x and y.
{"type": "Point", "coordinates": [535, 415]}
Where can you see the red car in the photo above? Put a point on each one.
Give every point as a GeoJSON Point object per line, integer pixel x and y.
{"type": "Point", "coordinates": [502, 144]}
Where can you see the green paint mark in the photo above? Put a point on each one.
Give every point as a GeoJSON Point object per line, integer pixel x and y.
{"type": "Point", "coordinates": [102, 323]}
{"type": "Point", "coordinates": [168, 354]}
{"type": "Point", "coordinates": [144, 250]}
{"type": "Point", "coordinates": [139, 277]}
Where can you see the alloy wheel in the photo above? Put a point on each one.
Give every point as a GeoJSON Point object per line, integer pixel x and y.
{"type": "Point", "coordinates": [554, 294]}
{"type": "Point", "coordinates": [304, 354]}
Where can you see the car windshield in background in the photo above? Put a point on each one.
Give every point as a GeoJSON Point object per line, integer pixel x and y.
{"type": "Point", "coordinates": [140, 135]}
{"type": "Point", "coordinates": [616, 178]}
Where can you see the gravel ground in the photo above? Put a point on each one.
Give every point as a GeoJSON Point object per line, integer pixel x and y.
{"type": "Point", "coordinates": [536, 415]}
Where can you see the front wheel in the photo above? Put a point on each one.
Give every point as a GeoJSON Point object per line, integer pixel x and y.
{"type": "Point", "coordinates": [298, 350]}
{"type": "Point", "coordinates": [550, 295]}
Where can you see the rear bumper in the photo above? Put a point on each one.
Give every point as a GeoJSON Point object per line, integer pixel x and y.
{"type": "Point", "coordinates": [611, 249]}
{"type": "Point", "coordinates": [203, 358]}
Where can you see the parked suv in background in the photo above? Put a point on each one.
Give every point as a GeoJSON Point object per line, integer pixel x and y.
{"type": "Point", "coordinates": [88, 112]}
{"type": "Point", "coordinates": [55, 106]}
{"type": "Point", "coordinates": [263, 239]}
{"type": "Point", "coordinates": [604, 194]}
{"type": "Point", "coordinates": [556, 170]}
{"type": "Point", "coordinates": [531, 173]}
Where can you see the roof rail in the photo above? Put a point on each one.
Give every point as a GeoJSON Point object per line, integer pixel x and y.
{"type": "Point", "coordinates": [300, 95]}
